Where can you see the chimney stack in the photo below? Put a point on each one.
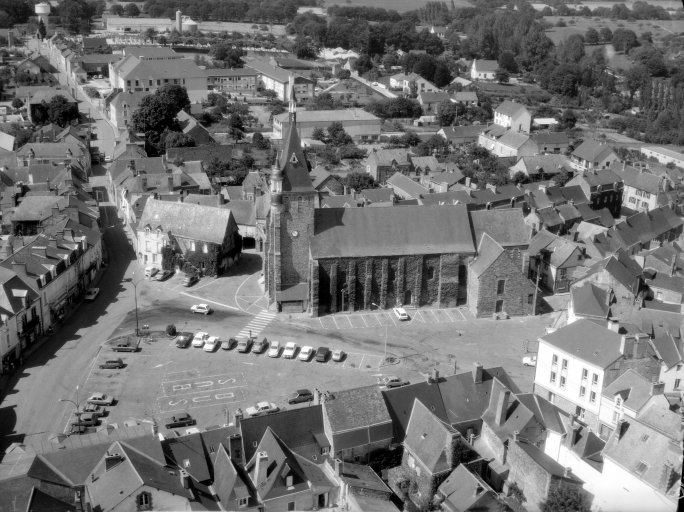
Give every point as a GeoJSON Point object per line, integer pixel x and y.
{"type": "Point", "coordinates": [657, 388]}
{"type": "Point", "coordinates": [477, 373]}
{"type": "Point", "coordinates": [238, 417]}
{"type": "Point", "coordinates": [143, 183]}
{"type": "Point", "coordinates": [621, 428]}
{"type": "Point", "coordinates": [502, 406]}
{"type": "Point", "coordinates": [338, 467]}
{"type": "Point", "coordinates": [170, 178]}
{"type": "Point", "coordinates": [566, 473]}
{"type": "Point", "coordinates": [571, 439]}
{"type": "Point", "coordinates": [261, 467]}
{"type": "Point", "coordinates": [640, 345]}
{"type": "Point", "coordinates": [666, 475]}
{"type": "Point", "coordinates": [614, 325]}
{"type": "Point", "coordinates": [434, 376]}
{"type": "Point", "coordinates": [627, 345]}
{"type": "Point", "coordinates": [184, 478]}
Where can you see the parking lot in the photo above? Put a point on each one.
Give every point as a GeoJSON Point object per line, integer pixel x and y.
{"type": "Point", "coordinates": [371, 320]}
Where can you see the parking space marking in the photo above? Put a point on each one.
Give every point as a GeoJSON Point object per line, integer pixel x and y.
{"type": "Point", "coordinates": [345, 322]}
{"type": "Point", "coordinates": [199, 399]}
{"type": "Point", "coordinates": [357, 321]}
{"type": "Point", "coordinates": [328, 322]}
{"type": "Point", "coordinates": [451, 317]}
{"type": "Point", "coordinates": [460, 313]}
{"type": "Point", "coordinates": [357, 361]}
{"type": "Point", "coordinates": [381, 319]}
{"type": "Point", "coordinates": [430, 313]}
{"type": "Point", "coordinates": [181, 375]}
{"type": "Point", "coordinates": [371, 320]}
{"type": "Point", "coordinates": [417, 317]}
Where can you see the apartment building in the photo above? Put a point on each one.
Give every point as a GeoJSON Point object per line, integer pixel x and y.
{"type": "Point", "coordinates": [241, 79]}
{"type": "Point", "coordinates": [278, 80]}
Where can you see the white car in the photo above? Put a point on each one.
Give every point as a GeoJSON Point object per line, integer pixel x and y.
{"type": "Point", "coordinates": [212, 343]}
{"type": "Point", "coordinates": [290, 350]}
{"type": "Point", "coordinates": [274, 349]}
{"type": "Point", "coordinates": [338, 355]}
{"type": "Point", "coordinates": [306, 353]}
{"type": "Point", "coordinates": [151, 271]}
{"type": "Point", "coordinates": [401, 313]}
{"type": "Point", "coordinates": [199, 339]}
{"type": "Point", "coordinates": [201, 308]}
{"type": "Point", "coordinates": [262, 408]}
{"type": "Point", "coordinates": [530, 361]}
{"type": "Point", "coordinates": [100, 399]}
{"type": "Point", "coordinates": [91, 294]}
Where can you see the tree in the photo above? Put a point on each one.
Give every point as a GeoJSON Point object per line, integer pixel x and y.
{"type": "Point", "coordinates": [344, 74]}
{"type": "Point", "coordinates": [131, 10]}
{"type": "Point", "coordinates": [338, 136]}
{"type": "Point", "coordinates": [606, 35]}
{"type": "Point", "coordinates": [636, 78]}
{"type": "Point", "coordinates": [442, 76]}
{"type": "Point", "coordinates": [565, 499]}
{"type": "Point", "coordinates": [624, 40]}
{"type": "Point", "coordinates": [150, 33]}
{"type": "Point", "coordinates": [105, 71]}
{"type": "Point", "coordinates": [572, 49]}
{"type": "Point", "coordinates": [174, 95]}
{"type": "Point", "coordinates": [358, 181]}
{"type": "Point", "coordinates": [568, 120]}
{"type": "Point", "coordinates": [179, 140]}
{"type": "Point", "coordinates": [389, 60]}
{"type": "Point", "coordinates": [318, 134]}
{"type": "Point", "coordinates": [447, 111]}
{"type": "Point", "coordinates": [60, 111]}
{"type": "Point", "coordinates": [410, 138]}
{"type": "Point", "coordinates": [304, 49]}
{"type": "Point", "coordinates": [652, 58]}
{"type": "Point", "coordinates": [42, 31]}
{"type": "Point", "coordinates": [231, 57]}
{"type": "Point", "coordinates": [116, 10]}
{"type": "Point", "coordinates": [162, 40]}
{"type": "Point", "coordinates": [260, 142]}
{"type": "Point", "coordinates": [17, 103]}
{"type": "Point", "coordinates": [502, 76]}
{"type": "Point", "coordinates": [591, 36]}
{"type": "Point", "coordinates": [364, 64]}
{"type": "Point", "coordinates": [507, 61]}
{"type": "Point", "coordinates": [153, 117]}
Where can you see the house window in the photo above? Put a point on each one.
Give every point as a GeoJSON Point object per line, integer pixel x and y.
{"type": "Point", "coordinates": [145, 501]}
{"type": "Point", "coordinates": [149, 82]}
{"type": "Point", "coordinates": [158, 83]}
{"type": "Point", "coordinates": [677, 383]}
{"type": "Point", "coordinates": [585, 374]}
{"type": "Point", "coordinates": [255, 444]}
{"type": "Point", "coordinates": [618, 402]}
{"type": "Point", "coordinates": [498, 308]}
{"type": "Point", "coordinates": [594, 380]}
{"type": "Point", "coordinates": [583, 391]}
{"type": "Point", "coordinates": [605, 431]}
{"type": "Point", "coordinates": [192, 246]}
{"type": "Point", "coordinates": [291, 506]}
{"type": "Point", "coordinates": [500, 287]}
{"type": "Point", "coordinates": [641, 468]}
{"type": "Point", "coordinates": [147, 246]}
{"type": "Point", "coordinates": [679, 367]}
{"type": "Point", "coordinates": [592, 397]}
{"type": "Point", "coordinates": [154, 258]}
{"type": "Point", "coordinates": [562, 382]}
{"type": "Point", "coordinates": [565, 364]}
{"type": "Point", "coordinates": [553, 378]}
{"type": "Point", "coordinates": [147, 231]}
{"type": "Point", "coordinates": [616, 416]}
{"type": "Point", "coordinates": [242, 502]}
{"type": "Point", "coordinates": [325, 450]}
{"type": "Point", "coordinates": [530, 298]}
{"type": "Point", "coordinates": [580, 412]}
{"type": "Point", "coordinates": [430, 273]}
{"type": "Point", "coordinates": [562, 273]}
{"type": "Point", "coordinates": [205, 248]}
{"type": "Point", "coordinates": [554, 360]}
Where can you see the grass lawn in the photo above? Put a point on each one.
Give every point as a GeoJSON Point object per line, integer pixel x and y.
{"type": "Point", "coordinates": [398, 5]}
{"type": "Point", "coordinates": [657, 28]}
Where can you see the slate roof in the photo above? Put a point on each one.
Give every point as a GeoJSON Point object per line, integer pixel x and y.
{"type": "Point", "coordinates": [293, 164]}
{"type": "Point", "coordinates": [160, 69]}
{"type": "Point", "coordinates": [154, 52]}
{"type": "Point", "coordinates": [634, 389]}
{"type": "Point", "coordinates": [188, 453]}
{"type": "Point", "coordinates": [669, 349]}
{"type": "Point", "coordinates": [328, 116]}
{"type": "Point", "coordinates": [549, 415]}
{"type": "Point", "coordinates": [244, 211]}
{"type": "Point", "coordinates": [132, 100]}
{"type": "Point", "coordinates": [351, 232]}
{"type": "Point", "coordinates": [341, 201]}
{"type": "Point", "coordinates": [559, 249]}
{"type": "Point", "coordinates": [362, 477]}
{"type": "Point", "coordinates": [513, 139]}
{"type": "Point", "coordinates": [424, 162]}
{"type": "Point", "coordinates": [666, 282]}
{"type": "Point", "coordinates": [459, 132]}
{"type": "Point", "coordinates": [51, 150]}
{"type": "Point", "coordinates": [32, 208]}
{"type": "Point", "coordinates": [432, 97]}
{"type": "Point", "coordinates": [279, 74]}
{"type": "Point", "coordinates": [230, 482]}
{"type": "Point", "coordinates": [377, 195]}
{"type": "Point", "coordinates": [549, 217]}
{"type": "Point", "coordinates": [464, 490]}
{"type": "Point", "coordinates": [507, 108]}
{"type": "Point", "coordinates": [485, 65]}
{"type": "Point", "coordinates": [449, 178]}
{"type": "Point", "coordinates": [624, 269]}
{"type": "Point", "coordinates": [479, 197]}
{"type": "Point", "coordinates": [548, 164]}
{"type": "Point", "coordinates": [590, 300]}
{"type": "Point", "coordinates": [466, 96]}
{"type": "Point", "coordinates": [551, 138]}
{"type": "Point", "coordinates": [297, 428]}
{"type": "Point", "coordinates": [587, 341]}
{"type": "Point", "coordinates": [517, 416]}
{"type": "Point", "coordinates": [545, 462]}
{"type": "Point", "coordinates": [385, 157]}
{"type": "Point", "coordinates": [487, 253]}
{"type": "Point", "coordinates": [356, 408]}
{"type": "Point", "coordinates": [505, 226]}
{"type": "Point", "coordinates": [592, 150]}
{"type": "Point", "coordinates": [205, 154]}
{"type": "Point", "coordinates": [407, 185]}
{"type": "Point", "coordinates": [428, 439]}
{"type": "Point", "coordinates": [190, 221]}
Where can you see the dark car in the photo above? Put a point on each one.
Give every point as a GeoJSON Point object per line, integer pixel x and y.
{"type": "Point", "coordinates": [86, 419]}
{"type": "Point", "coordinates": [95, 410]}
{"type": "Point", "coordinates": [322, 354]}
{"type": "Point", "coordinates": [78, 429]}
{"type": "Point", "coordinates": [163, 275]}
{"type": "Point", "coordinates": [301, 395]}
{"type": "Point", "coordinates": [190, 280]}
{"type": "Point", "coordinates": [181, 419]}
{"type": "Point", "coordinates": [184, 339]}
{"type": "Point", "coordinates": [259, 346]}
{"type": "Point", "coordinates": [125, 347]}
{"type": "Point", "coordinates": [112, 364]}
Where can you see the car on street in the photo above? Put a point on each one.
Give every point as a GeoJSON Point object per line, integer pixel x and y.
{"type": "Point", "coordinates": [306, 353]}
{"type": "Point", "coordinates": [338, 355]}
{"type": "Point", "coordinates": [78, 429]}
{"type": "Point", "coordinates": [228, 344]}
{"type": "Point", "coordinates": [125, 347]}
{"type": "Point", "coordinates": [274, 349]}
{"type": "Point", "coordinates": [163, 275]}
{"type": "Point", "coordinates": [212, 344]}
{"type": "Point", "coordinates": [400, 313]}
{"type": "Point", "coordinates": [259, 346]}
{"type": "Point", "coordinates": [183, 339]}
{"type": "Point", "coordinates": [94, 409]}
{"type": "Point", "coordinates": [243, 346]}
{"type": "Point", "coordinates": [108, 158]}
{"type": "Point", "coordinates": [180, 419]}
{"type": "Point", "coordinates": [322, 354]}
{"type": "Point", "coordinates": [91, 294]}
{"type": "Point", "coordinates": [100, 399]}
{"type": "Point", "coordinates": [199, 339]}
{"type": "Point", "coordinates": [392, 381]}
{"type": "Point", "coordinates": [86, 419]}
{"type": "Point", "coordinates": [190, 280]}
{"type": "Point", "coordinates": [151, 271]}
{"type": "Point", "coordinates": [112, 364]}
{"type": "Point", "coordinates": [262, 408]}
{"type": "Point", "coordinates": [201, 308]}
{"type": "Point", "coordinates": [301, 395]}
{"type": "Point", "coordinates": [530, 361]}
{"type": "Point", "coordinates": [290, 350]}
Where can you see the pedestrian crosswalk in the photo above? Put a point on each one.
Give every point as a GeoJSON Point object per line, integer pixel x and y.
{"type": "Point", "coordinates": [257, 325]}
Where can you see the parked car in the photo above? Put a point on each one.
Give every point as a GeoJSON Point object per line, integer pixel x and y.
{"type": "Point", "coordinates": [274, 349]}
{"type": "Point", "coordinates": [86, 419]}
{"type": "Point", "coordinates": [190, 280]}
{"type": "Point", "coordinates": [530, 361]}
{"type": "Point", "coordinates": [338, 355]}
{"type": "Point", "coordinates": [306, 353]}
{"type": "Point", "coordinates": [393, 381]}
{"type": "Point", "coordinates": [301, 395]}
{"type": "Point", "coordinates": [100, 399]}
{"type": "Point", "coordinates": [262, 408]}
{"type": "Point", "coordinates": [228, 344]}
{"type": "Point", "coordinates": [243, 346]}
{"type": "Point", "coordinates": [259, 346]}
{"type": "Point", "coordinates": [290, 350]}
{"type": "Point", "coordinates": [211, 344]}
{"type": "Point", "coordinates": [199, 339]}
{"type": "Point", "coordinates": [91, 294]}
{"type": "Point", "coordinates": [322, 354]}
{"type": "Point", "coordinates": [201, 308]}
{"type": "Point", "coordinates": [94, 409]}
{"type": "Point", "coordinates": [183, 339]}
{"type": "Point", "coordinates": [78, 429]}
{"type": "Point", "coordinates": [401, 313]}
{"type": "Point", "coordinates": [108, 158]}
{"type": "Point", "coordinates": [125, 347]}
{"type": "Point", "coordinates": [151, 271]}
{"type": "Point", "coordinates": [163, 275]}
{"type": "Point", "coordinates": [180, 419]}
{"type": "Point", "coordinates": [112, 364]}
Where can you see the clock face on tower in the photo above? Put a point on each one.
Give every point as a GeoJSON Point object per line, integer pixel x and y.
{"type": "Point", "coordinates": [295, 233]}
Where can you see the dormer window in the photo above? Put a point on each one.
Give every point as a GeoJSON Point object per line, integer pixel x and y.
{"type": "Point", "coordinates": [144, 501]}
{"type": "Point", "coordinates": [293, 159]}
{"type": "Point", "coordinates": [159, 233]}
{"type": "Point", "coordinates": [147, 231]}
{"type": "Point", "coordinates": [242, 502]}
{"type": "Point", "coordinates": [618, 402]}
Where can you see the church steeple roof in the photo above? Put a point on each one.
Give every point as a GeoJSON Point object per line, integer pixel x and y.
{"type": "Point", "coordinates": [293, 164]}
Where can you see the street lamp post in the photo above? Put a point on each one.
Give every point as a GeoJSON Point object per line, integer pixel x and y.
{"type": "Point", "coordinates": [77, 403]}
{"type": "Point", "coordinates": [135, 294]}
{"type": "Point", "coordinates": [385, 356]}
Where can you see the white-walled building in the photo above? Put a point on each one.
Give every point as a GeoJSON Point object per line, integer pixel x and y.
{"type": "Point", "coordinates": [664, 155]}
{"type": "Point", "coordinates": [669, 352]}
{"type": "Point", "coordinates": [359, 124]}
{"type": "Point", "coordinates": [278, 80]}
{"type": "Point", "coordinates": [483, 70]}
{"type": "Point", "coordinates": [514, 116]}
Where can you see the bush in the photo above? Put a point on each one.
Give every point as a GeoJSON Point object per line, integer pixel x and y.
{"type": "Point", "coordinates": [171, 330]}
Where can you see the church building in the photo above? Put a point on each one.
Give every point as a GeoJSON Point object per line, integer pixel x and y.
{"type": "Point", "coordinates": [326, 260]}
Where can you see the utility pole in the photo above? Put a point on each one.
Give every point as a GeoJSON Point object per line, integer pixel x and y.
{"type": "Point", "coordinates": [540, 261]}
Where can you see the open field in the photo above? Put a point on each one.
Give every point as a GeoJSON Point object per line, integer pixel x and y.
{"type": "Point", "coordinates": [396, 5]}
{"type": "Point", "coordinates": [674, 4]}
{"type": "Point", "coordinates": [657, 28]}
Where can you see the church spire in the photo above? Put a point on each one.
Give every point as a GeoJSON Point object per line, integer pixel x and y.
{"type": "Point", "coordinates": [293, 101]}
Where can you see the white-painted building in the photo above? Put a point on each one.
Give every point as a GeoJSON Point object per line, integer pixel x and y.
{"type": "Point", "coordinates": [664, 155]}
{"type": "Point", "coordinates": [669, 352]}
{"type": "Point", "coordinates": [514, 116]}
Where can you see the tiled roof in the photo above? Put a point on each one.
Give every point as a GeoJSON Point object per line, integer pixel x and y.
{"type": "Point", "coordinates": [189, 221]}
{"type": "Point", "coordinates": [590, 300]}
{"type": "Point", "coordinates": [505, 226]}
{"type": "Point", "coordinates": [548, 164]}
{"type": "Point", "coordinates": [634, 389]}
{"type": "Point", "coordinates": [390, 231]}
{"type": "Point", "coordinates": [328, 116]}
{"type": "Point", "coordinates": [362, 477]}
{"type": "Point", "coordinates": [356, 408]}
{"type": "Point", "coordinates": [587, 341]}
{"type": "Point", "coordinates": [487, 253]}
{"type": "Point", "coordinates": [559, 248]}
{"type": "Point", "coordinates": [508, 108]}
{"type": "Point", "coordinates": [465, 96]}
{"type": "Point", "coordinates": [429, 439]}
{"type": "Point", "coordinates": [431, 97]}
{"type": "Point", "coordinates": [384, 157]}
{"type": "Point", "coordinates": [131, 99]}
{"type": "Point", "coordinates": [592, 150]}
{"type": "Point", "coordinates": [485, 65]}
{"type": "Point", "coordinates": [457, 132]}
{"type": "Point", "coordinates": [669, 349]}
{"type": "Point", "coordinates": [551, 138]}
{"type": "Point", "coordinates": [159, 69]}
{"type": "Point", "coordinates": [407, 185]}
{"type": "Point", "coordinates": [424, 162]}
{"type": "Point", "coordinates": [513, 139]}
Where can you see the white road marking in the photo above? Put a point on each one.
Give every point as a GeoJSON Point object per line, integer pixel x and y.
{"type": "Point", "coordinates": [208, 383]}
{"type": "Point", "coordinates": [201, 398]}
{"type": "Point", "coordinates": [179, 402]}
{"type": "Point", "coordinates": [160, 365]}
{"type": "Point", "coordinates": [228, 381]}
{"type": "Point", "coordinates": [181, 387]}
{"type": "Point", "coordinates": [210, 301]}
{"type": "Point", "coordinates": [224, 395]}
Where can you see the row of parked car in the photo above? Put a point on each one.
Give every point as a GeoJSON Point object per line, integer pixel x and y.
{"type": "Point", "coordinates": [158, 274]}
